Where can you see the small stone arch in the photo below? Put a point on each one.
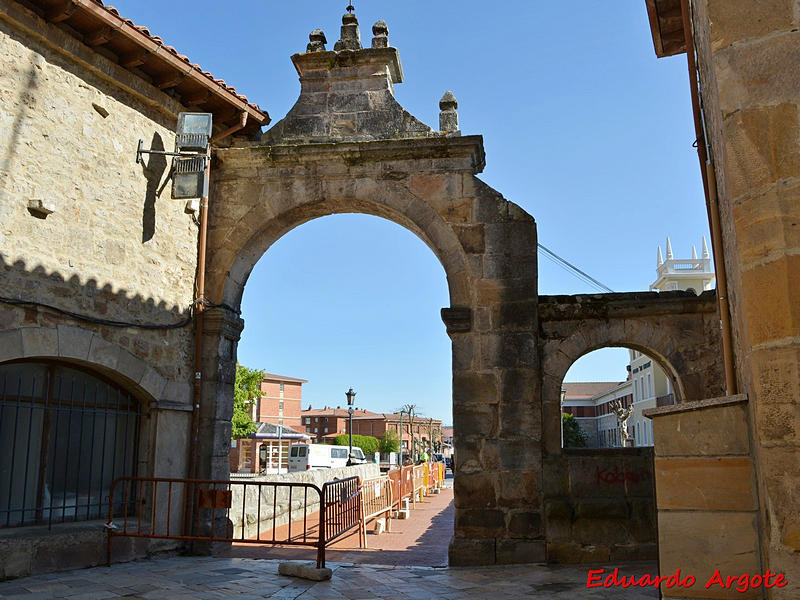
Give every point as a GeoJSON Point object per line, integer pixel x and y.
{"type": "Point", "coordinates": [677, 329]}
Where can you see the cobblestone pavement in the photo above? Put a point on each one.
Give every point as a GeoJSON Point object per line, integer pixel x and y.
{"type": "Point", "coordinates": [206, 578]}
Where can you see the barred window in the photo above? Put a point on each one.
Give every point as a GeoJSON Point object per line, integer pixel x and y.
{"type": "Point", "coordinates": [65, 435]}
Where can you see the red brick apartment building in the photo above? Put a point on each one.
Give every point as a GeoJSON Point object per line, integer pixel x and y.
{"type": "Point", "coordinates": [280, 401]}
{"type": "Point", "coordinates": [323, 424]}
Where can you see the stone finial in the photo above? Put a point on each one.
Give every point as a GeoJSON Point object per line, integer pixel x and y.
{"type": "Point", "coordinates": [660, 258]}
{"type": "Point", "coordinates": [670, 256]}
{"type": "Point", "coordinates": [694, 252]}
{"type": "Point", "coordinates": [351, 36]}
{"type": "Point", "coordinates": [448, 117]}
{"type": "Point", "coordinates": [705, 249]}
{"type": "Point", "coordinates": [317, 41]}
{"type": "Point", "coordinates": [380, 31]}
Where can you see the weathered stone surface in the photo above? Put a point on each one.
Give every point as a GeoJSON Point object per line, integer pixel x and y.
{"type": "Point", "coordinates": [471, 551]}
{"type": "Point", "coordinates": [719, 540]}
{"type": "Point", "coordinates": [705, 483]}
{"type": "Point", "coordinates": [762, 147]}
{"type": "Point", "coordinates": [515, 551]}
{"type": "Point", "coordinates": [689, 434]}
{"type": "Point", "coordinates": [738, 20]}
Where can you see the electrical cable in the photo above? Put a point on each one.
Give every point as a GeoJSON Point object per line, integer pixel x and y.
{"type": "Point", "coordinates": [569, 267]}
{"type": "Point", "coordinates": [96, 320]}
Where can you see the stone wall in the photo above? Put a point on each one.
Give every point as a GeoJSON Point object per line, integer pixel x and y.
{"type": "Point", "coordinates": [599, 506]}
{"type": "Point", "coordinates": [249, 496]}
{"type": "Point", "coordinates": [112, 249]}
{"type": "Point", "coordinates": [706, 497]}
{"type": "Point", "coordinates": [748, 54]}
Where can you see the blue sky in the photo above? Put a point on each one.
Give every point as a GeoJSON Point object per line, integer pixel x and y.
{"type": "Point", "coordinates": [583, 127]}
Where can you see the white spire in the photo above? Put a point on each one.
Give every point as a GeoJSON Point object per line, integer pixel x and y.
{"type": "Point", "coordinates": [694, 252]}
{"type": "Point", "coordinates": [669, 250]}
{"type": "Point", "coordinates": [705, 249]}
{"type": "Point", "coordinates": [660, 257]}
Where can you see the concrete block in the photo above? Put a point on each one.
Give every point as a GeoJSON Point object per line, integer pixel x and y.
{"type": "Point", "coordinates": [403, 513]}
{"type": "Point", "coordinates": [380, 526]}
{"type": "Point", "coordinates": [304, 571]}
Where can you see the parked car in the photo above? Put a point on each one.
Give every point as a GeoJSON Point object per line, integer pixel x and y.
{"type": "Point", "coordinates": [303, 457]}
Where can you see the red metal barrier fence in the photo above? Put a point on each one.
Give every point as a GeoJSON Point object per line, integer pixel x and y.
{"type": "Point", "coordinates": [201, 510]}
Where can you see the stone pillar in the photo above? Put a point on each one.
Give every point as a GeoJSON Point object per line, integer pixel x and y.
{"type": "Point", "coordinates": [496, 402]}
{"type": "Point", "coordinates": [705, 495]}
{"type": "Point", "coordinates": [222, 330]}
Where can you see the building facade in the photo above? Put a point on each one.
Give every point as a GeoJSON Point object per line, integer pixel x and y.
{"type": "Point", "coordinates": [280, 401]}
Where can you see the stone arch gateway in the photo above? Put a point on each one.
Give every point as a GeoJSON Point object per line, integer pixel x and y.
{"type": "Point", "coordinates": [348, 146]}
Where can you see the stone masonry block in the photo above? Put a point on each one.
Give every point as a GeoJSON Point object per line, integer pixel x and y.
{"type": "Point", "coordinates": [103, 352]}
{"type": "Point", "coordinates": [777, 287]}
{"type": "Point", "coordinates": [39, 341]}
{"type": "Point", "coordinates": [738, 20]}
{"type": "Point", "coordinates": [705, 483]}
{"type": "Point", "coordinates": [129, 365]}
{"type": "Point", "coordinates": [719, 540]}
{"type": "Point", "coordinates": [75, 342]}
{"type": "Point", "coordinates": [480, 522]}
{"type": "Point", "coordinates": [525, 524]}
{"type": "Point", "coordinates": [688, 433]}
{"type": "Point", "coordinates": [475, 490]}
{"type": "Point", "coordinates": [153, 382]}
{"type": "Point", "coordinates": [11, 345]}
{"type": "Point", "coordinates": [520, 489]}
{"type": "Point", "coordinates": [763, 146]}
{"type": "Point", "coordinates": [517, 551]}
{"type": "Point", "coordinates": [469, 551]}
{"type": "Point", "coordinates": [471, 388]}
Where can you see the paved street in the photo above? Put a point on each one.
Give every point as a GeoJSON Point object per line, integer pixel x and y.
{"type": "Point", "coordinates": [206, 578]}
{"type": "Point", "coordinates": [421, 540]}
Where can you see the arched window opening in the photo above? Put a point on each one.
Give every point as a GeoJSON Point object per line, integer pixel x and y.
{"type": "Point", "coordinates": [65, 436]}
{"type": "Point", "coordinates": [606, 387]}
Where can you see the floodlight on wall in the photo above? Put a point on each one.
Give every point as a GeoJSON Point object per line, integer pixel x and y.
{"type": "Point", "coordinates": [189, 168]}
{"type": "Point", "coordinates": [193, 132]}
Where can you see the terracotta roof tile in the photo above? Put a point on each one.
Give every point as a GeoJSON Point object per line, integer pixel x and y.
{"type": "Point", "coordinates": [158, 40]}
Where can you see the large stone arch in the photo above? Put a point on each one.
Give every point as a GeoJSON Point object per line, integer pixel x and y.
{"type": "Point", "coordinates": [347, 146]}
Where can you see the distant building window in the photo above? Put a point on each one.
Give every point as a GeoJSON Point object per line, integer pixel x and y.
{"type": "Point", "coordinates": [316, 429]}
{"type": "Point", "coordinates": [280, 405]}
{"type": "Point", "coordinates": [308, 420]}
{"type": "Point", "coordinates": [316, 419]}
{"type": "Point", "coordinates": [326, 430]}
{"type": "Point", "coordinates": [281, 388]}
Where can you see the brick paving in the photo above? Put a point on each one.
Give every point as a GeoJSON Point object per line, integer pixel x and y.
{"type": "Point", "coordinates": [421, 540]}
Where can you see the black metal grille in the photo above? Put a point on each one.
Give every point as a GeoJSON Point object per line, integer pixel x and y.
{"type": "Point", "coordinates": [65, 435]}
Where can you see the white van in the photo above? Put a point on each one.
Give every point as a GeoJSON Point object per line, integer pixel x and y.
{"type": "Point", "coordinates": [303, 457]}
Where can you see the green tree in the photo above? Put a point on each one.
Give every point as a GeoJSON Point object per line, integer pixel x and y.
{"type": "Point", "coordinates": [246, 388]}
{"type": "Point", "coordinates": [367, 443]}
{"type": "Point", "coordinates": [574, 437]}
{"type": "Point", "coordinates": [390, 442]}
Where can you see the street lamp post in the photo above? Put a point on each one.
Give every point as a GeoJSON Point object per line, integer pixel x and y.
{"type": "Point", "coordinates": [351, 397]}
